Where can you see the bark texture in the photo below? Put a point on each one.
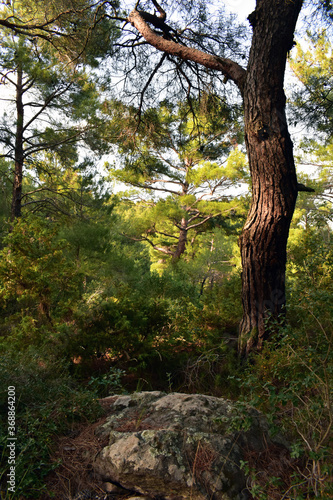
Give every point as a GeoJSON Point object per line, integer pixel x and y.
{"type": "Point", "coordinates": [263, 241]}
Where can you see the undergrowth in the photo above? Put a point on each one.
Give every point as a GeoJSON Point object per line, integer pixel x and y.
{"type": "Point", "coordinates": [48, 403]}
{"type": "Point", "coordinates": [188, 344]}
{"type": "Point", "coordinates": [291, 382]}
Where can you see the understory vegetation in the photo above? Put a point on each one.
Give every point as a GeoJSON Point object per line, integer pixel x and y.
{"type": "Point", "coordinates": [84, 317]}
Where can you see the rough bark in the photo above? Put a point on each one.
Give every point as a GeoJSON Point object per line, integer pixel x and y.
{"type": "Point", "coordinates": [274, 185]}
{"type": "Point", "coordinates": [16, 206]}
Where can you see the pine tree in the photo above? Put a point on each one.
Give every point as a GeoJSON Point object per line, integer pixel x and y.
{"type": "Point", "coordinates": [189, 158]}
{"type": "Point", "coordinates": [275, 188]}
{"type": "Point", "coordinates": [313, 99]}
{"type": "Point", "coordinates": [51, 109]}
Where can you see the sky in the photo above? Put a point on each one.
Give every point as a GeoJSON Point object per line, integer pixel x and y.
{"type": "Point", "coordinates": [241, 7]}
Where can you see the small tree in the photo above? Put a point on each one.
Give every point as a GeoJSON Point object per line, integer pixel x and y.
{"type": "Point", "coordinates": [190, 157]}
{"type": "Point", "coordinates": [313, 101]}
{"type": "Point", "coordinates": [53, 103]}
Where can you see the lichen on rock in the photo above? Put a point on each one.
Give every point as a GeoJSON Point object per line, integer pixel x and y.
{"type": "Point", "coordinates": [178, 446]}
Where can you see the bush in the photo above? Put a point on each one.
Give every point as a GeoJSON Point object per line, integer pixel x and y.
{"type": "Point", "coordinates": [291, 381]}
{"type": "Point", "coordinates": [48, 403]}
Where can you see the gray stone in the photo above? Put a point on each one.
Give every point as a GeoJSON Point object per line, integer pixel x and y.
{"type": "Point", "coordinates": [179, 446]}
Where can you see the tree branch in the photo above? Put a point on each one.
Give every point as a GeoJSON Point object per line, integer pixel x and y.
{"type": "Point", "coordinates": [229, 68]}
{"type": "Point", "coordinates": [160, 10]}
{"type": "Point", "coordinates": [57, 93]}
{"type": "Point", "coordinates": [203, 221]}
{"type": "Point", "coordinates": [302, 187]}
{"type": "Point", "coordinates": [167, 235]}
{"type": "Point", "coordinates": [144, 238]}
{"type": "Point", "coordinates": [154, 188]}
{"type": "Point", "coordinates": [157, 67]}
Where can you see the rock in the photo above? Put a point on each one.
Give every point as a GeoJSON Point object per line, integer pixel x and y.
{"type": "Point", "coordinates": [179, 446]}
{"type": "Point", "coordinates": [138, 498]}
{"type": "Point", "coordinates": [113, 488]}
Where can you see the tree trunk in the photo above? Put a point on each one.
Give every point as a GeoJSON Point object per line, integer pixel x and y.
{"type": "Point", "coordinates": [182, 241]}
{"type": "Point", "coordinates": [16, 207]}
{"type": "Point", "coordinates": [263, 241]}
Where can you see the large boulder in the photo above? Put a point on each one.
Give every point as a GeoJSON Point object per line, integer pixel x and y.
{"type": "Point", "coordinates": [179, 446]}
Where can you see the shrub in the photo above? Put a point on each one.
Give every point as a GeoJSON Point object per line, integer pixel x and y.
{"type": "Point", "coordinates": [48, 403]}
{"type": "Point", "coordinates": [291, 381]}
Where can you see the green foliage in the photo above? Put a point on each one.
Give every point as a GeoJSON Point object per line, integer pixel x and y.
{"type": "Point", "coordinates": [189, 155]}
{"type": "Point", "coordinates": [108, 383]}
{"type": "Point", "coordinates": [147, 330]}
{"type": "Point", "coordinates": [314, 69]}
{"type": "Point", "coordinates": [5, 197]}
{"type": "Point", "coordinates": [63, 108]}
{"type": "Point", "coordinates": [291, 380]}
{"type": "Point", "coordinates": [117, 317]}
{"type": "Point", "coordinates": [48, 403]}
{"type": "Point", "coordinates": [310, 272]}
{"type": "Point", "coordinates": [38, 284]}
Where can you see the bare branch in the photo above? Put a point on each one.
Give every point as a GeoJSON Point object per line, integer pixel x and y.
{"type": "Point", "coordinates": [167, 235]}
{"type": "Point", "coordinates": [57, 93]}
